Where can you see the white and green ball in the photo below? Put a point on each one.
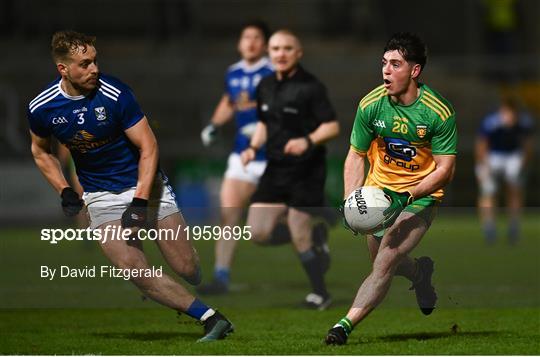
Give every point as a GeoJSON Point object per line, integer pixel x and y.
{"type": "Point", "coordinates": [363, 209]}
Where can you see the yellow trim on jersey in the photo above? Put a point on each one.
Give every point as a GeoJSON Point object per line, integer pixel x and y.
{"type": "Point", "coordinates": [375, 91]}
{"type": "Point", "coordinates": [438, 101]}
{"type": "Point", "coordinates": [436, 105]}
{"type": "Point", "coordinates": [371, 95]}
{"type": "Point", "coordinates": [431, 106]}
{"type": "Point", "coordinates": [358, 151]}
{"type": "Point", "coordinates": [383, 93]}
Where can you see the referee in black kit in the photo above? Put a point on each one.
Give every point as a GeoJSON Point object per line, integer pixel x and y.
{"type": "Point", "coordinates": [296, 119]}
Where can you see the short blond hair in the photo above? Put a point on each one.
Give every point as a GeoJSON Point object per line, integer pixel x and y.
{"type": "Point", "coordinates": [65, 43]}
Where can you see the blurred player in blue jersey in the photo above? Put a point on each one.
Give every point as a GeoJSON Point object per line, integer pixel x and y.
{"type": "Point", "coordinates": [238, 102]}
{"type": "Point", "coordinates": [116, 158]}
{"type": "Point", "coordinates": [503, 149]}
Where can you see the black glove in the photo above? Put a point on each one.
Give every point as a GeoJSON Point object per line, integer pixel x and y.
{"type": "Point", "coordinates": [341, 210]}
{"type": "Point", "coordinates": [71, 202]}
{"type": "Point", "coordinates": [136, 214]}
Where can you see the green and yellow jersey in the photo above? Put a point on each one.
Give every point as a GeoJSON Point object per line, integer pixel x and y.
{"type": "Point", "coordinates": [400, 140]}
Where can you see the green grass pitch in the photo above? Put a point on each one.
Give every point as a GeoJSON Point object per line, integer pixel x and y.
{"type": "Point", "coordinates": [489, 300]}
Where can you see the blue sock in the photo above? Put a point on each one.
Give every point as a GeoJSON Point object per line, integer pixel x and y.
{"type": "Point", "coordinates": [198, 310]}
{"type": "Point", "coordinates": [513, 231]}
{"type": "Point", "coordinates": [490, 232]}
{"type": "Point", "coordinates": [222, 275]}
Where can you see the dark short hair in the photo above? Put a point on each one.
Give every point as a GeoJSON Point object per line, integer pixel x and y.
{"type": "Point", "coordinates": [410, 45]}
{"type": "Point", "coordinates": [64, 43]}
{"type": "Point", "coordinates": [510, 102]}
{"type": "Point", "coordinates": [259, 25]}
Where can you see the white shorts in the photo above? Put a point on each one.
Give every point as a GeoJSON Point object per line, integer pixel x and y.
{"type": "Point", "coordinates": [106, 206]}
{"type": "Point", "coordinates": [250, 173]}
{"type": "Point", "coordinates": [505, 166]}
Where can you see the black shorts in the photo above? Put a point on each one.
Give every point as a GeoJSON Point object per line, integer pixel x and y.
{"type": "Point", "coordinates": [300, 186]}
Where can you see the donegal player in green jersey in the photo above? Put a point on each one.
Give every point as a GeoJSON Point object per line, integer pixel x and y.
{"type": "Point", "coordinates": [407, 131]}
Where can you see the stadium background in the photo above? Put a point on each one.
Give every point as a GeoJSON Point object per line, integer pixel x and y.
{"type": "Point", "coordinates": [173, 53]}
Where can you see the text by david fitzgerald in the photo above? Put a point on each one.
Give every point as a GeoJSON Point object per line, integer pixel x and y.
{"type": "Point", "coordinates": [98, 271]}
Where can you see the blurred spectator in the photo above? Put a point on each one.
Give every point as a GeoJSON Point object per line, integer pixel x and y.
{"type": "Point", "coordinates": [500, 21]}
{"type": "Point", "coordinates": [501, 25]}
{"type": "Point", "coordinates": [503, 150]}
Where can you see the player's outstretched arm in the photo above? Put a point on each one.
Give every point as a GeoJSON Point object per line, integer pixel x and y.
{"type": "Point", "coordinates": [50, 167]}
{"type": "Point", "coordinates": [47, 163]}
{"type": "Point", "coordinates": [325, 132]}
{"type": "Point", "coordinates": [443, 174]}
{"type": "Point", "coordinates": [143, 138]}
{"type": "Point", "coordinates": [223, 113]}
{"type": "Point", "coordinates": [353, 171]}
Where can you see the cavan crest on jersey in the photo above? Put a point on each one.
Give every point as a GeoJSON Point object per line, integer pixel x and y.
{"type": "Point", "coordinates": [92, 127]}
{"type": "Point", "coordinates": [240, 84]}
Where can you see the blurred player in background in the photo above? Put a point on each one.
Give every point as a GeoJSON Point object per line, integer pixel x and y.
{"type": "Point", "coordinates": [503, 149]}
{"type": "Point", "coordinates": [116, 158]}
{"type": "Point", "coordinates": [407, 131]}
{"type": "Point", "coordinates": [239, 182]}
{"type": "Point", "coordinates": [296, 120]}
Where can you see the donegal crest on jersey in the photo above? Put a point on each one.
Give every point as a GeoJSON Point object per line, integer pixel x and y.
{"type": "Point", "coordinates": [421, 130]}
{"type": "Point", "coordinates": [400, 140]}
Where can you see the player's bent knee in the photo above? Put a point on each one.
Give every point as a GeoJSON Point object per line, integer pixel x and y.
{"type": "Point", "coordinates": [192, 274]}
{"type": "Point", "coordinates": [191, 269]}
{"type": "Point", "coordinates": [129, 262]}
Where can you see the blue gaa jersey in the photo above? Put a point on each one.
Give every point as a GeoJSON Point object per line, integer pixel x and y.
{"type": "Point", "coordinates": [505, 139]}
{"type": "Point", "coordinates": [92, 127]}
{"type": "Point", "coordinates": [241, 83]}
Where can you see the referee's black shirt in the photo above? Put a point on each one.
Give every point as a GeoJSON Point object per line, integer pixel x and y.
{"type": "Point", "coordinates": [291, 108]}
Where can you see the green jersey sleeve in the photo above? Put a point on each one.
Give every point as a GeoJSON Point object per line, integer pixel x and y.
{"type": "Point", "coordinates": [444, 141]}
{"type": "Point", "coordinates": [362, 134]}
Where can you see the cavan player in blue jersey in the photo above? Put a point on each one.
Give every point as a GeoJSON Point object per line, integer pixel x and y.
{"type": "Point", "coordinates": [116, 158]}
{"type": "Point", "coordinates": [503, 149]}
{"type": "Point", "coordinates": [238, 102]}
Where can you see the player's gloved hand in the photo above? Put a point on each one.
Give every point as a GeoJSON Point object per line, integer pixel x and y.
{"type": "Point", "coordinates": [71, 202]}
{"type": "Point", "coordinates": [341, 210]}
{"type": "Point", "coordinates": [136, 214]}
{"type": "Point", "coordinates": [399, 200]}
{"type": "Point", "coordinates": [208, 134]}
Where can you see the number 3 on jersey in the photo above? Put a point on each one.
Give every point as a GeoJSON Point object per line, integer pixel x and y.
{"type": "Point", "coordinates": [81, 118]}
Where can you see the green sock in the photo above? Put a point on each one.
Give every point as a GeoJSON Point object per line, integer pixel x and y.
{"type": "Point", "coordinates": [346, 324]}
